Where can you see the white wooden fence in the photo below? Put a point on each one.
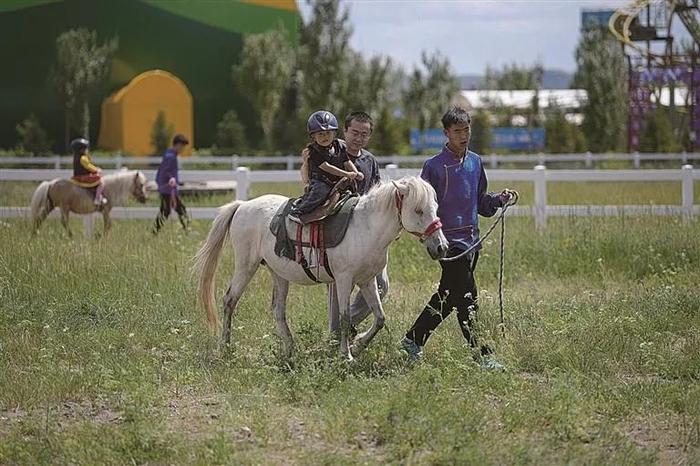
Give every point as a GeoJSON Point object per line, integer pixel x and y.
{"type": "Point", "coordinates": [294, 161]}
{"type": "Point", "coordinates": [540, 176]}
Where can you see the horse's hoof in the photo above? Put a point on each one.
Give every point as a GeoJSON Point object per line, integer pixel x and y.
{"type": "Point", "coordinates": [356, 349]}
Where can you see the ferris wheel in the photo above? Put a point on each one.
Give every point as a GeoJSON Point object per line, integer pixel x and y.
{"type": "Point", "coordinates": [660, 69]}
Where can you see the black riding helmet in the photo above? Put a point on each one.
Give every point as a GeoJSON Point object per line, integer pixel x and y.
{"type": "Point", "coordinates": [79, 146]}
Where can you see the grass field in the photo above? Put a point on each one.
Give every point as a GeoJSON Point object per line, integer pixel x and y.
{"type": "Point", "coordinates": [105, 358]}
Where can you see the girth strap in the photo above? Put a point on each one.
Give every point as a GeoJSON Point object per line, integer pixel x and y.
{"type": "Point", "coordinates": [316, 241]}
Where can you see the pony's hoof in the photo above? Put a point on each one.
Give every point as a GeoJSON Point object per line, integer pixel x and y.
{"type": "Point", "coordinates": [355, 349]}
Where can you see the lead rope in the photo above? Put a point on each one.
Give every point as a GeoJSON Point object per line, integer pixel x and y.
{"type": "Point", "coordinates": [500, 277]}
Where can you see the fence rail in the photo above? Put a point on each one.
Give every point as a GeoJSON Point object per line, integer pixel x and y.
{"type": "Point", "coordinates": [294, 161]}
{"type": "Point", "coordinates": [539, 176]}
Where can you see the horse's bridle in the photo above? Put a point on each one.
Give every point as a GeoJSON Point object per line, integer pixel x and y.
{"type": "Point", "coordinates": [434, 226]}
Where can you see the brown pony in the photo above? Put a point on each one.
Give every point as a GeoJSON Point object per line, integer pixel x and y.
{"type": "Point", "coordinates": [70, 197]}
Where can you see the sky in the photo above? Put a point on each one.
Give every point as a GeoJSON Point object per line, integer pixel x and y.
{"type": "Point", "coordinates": [471, 33]}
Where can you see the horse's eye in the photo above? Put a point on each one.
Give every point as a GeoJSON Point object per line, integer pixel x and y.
{"type": "Point", "coordinates": [419, 212]}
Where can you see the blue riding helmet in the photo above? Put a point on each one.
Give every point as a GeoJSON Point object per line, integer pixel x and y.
{"type": "Point", "coordinates": [322, 120]}
{"type": "Point", "coordinates": [79, 145]}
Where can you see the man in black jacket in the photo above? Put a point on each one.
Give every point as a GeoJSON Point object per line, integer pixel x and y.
{"type": "Point", "coordinates": [357, 131]}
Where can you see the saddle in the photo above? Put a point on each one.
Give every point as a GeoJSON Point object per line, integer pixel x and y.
{"type": "Point", "coordinates": [332, 204]}
{"type": "Point", "coordinates": [297, 242]}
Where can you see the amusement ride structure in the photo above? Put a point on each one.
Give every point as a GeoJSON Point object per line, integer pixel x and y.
{"type": "Point", "coordinates": [659, 70]}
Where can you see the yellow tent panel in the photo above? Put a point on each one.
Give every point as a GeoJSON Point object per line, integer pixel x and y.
{"type": "Point", "coordinates": [128, 114]}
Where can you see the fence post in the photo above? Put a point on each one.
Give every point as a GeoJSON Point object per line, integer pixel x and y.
{"type": "Point", "coordinates": [540, 197]}
{"type": "Point", "coordinates": [493, 161]}
{"type": "Point", "coordinates": [541, 159]}
{"type": "Point", "coordinates": [57, 162]}
{"type": "Point", "coordinates": [684, 158]}
{"type": "Point", "coordinates": [588, 159]}
{"type": "Point", "coordinates": [234, 161]}
{"type": "Point", "coordinates": [118, 163]}
{"type": "Point", "coordinates": [290, 162]}
{"type": "Point", "coordinates": [637, 159]}
{"type": "Point", "coordinates": [687, 191]}
{"type": "Point", "coordinates": [391, 171]}
{"type": "Point", "coordinates": [242, 183]}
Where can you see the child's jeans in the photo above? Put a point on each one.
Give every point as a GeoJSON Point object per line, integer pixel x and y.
{"type": "Point", "coordinates": [316, 195]}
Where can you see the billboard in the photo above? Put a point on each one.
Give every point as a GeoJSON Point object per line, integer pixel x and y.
{"type": "Point", "coordinates": [518, 138]}
{"type": "Point", "coordinates": [595, 18]}
{"type": "Point", "coordinates": [505, 138]}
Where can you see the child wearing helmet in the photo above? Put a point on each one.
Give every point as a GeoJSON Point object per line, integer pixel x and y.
{"type": "Point", "coordinates": [325, 163]}
{"type": "Point", "coordinates": [85, 174]}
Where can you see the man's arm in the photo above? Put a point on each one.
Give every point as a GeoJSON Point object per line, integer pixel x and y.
{"type": "Point", "coordinates": [488, 202]}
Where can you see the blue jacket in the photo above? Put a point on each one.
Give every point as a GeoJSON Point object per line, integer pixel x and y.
{"type": "Point", "coordinates": [168, 169]}
{"type": "Point", "coordinates": [460, 185]}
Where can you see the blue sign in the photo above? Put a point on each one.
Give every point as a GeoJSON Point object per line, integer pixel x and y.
{"type": "Point", "coordinates": [595, 18]}
{"type": "Point", "coordinates": [518, 138]}
{"type": "Point", "coordinates": [431, 138]}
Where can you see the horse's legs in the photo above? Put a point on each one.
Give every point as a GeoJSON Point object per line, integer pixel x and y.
{"type": "Point", "coordinates": [64, 220]}
{"type": "Point", "coordinates": [241, 277]}
{"type": "Point", "coordinates": [371, 294]}
{"type": "Point", "coordinates": [280, 288]}
{"type": "Point", "coordinates": [343, 286]}
{"type": "Point", "coordinates": [106, 220]}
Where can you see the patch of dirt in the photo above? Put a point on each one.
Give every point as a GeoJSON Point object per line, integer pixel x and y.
{"type": "Point", "coordinates": [674, 439]}
{"type": "Point", "coordinates": [63, 414]}
{"type": "Point", "coordinates": [203, 415]}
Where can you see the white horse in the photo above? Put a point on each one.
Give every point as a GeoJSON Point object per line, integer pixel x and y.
{"type": "Point", "coordinates": [70, 197]}
{"type": "Point", "coordinates": [379, 217]}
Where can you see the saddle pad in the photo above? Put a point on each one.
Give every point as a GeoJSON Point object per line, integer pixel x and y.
{"type": "Point", "coordinates": [334, 226]}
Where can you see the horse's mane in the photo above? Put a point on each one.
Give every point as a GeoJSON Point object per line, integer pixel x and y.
{"type": "Point", "coordinates": [119, 184]}
{"type": "Point", "coordinates": [381, 195]}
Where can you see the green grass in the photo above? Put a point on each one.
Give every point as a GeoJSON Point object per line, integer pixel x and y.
{"type": "Point", "coordinates": [105, 358]}
{"type": "Point", "coordinates": [19, 193]}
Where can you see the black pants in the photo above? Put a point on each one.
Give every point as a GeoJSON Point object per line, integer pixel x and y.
{"type": "Point", "coordinates": [457, 291]}
{"type": "Point", "coordinates": [316, 195]}
{"type": "Point", "coordinates": [165, 212]}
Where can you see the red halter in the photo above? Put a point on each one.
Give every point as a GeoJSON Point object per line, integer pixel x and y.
{"type": "Point", "coordinates": [434, 226]}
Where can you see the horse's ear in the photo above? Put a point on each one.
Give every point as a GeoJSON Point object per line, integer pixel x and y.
{"type": "Point", "coordinates": [400, 187]}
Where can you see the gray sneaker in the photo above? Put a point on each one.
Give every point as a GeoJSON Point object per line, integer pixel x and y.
{"type": "Point", "coordinates": [414, 351]}
{"type": "Point", "coordinates": [489, 363]}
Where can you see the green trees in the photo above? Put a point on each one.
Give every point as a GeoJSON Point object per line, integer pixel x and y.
{"type": "Point", "coordinates": [430, 89]}
{"type": "Point", "coordinates": [267, 62]}
{"type": "Point", "coordinates": [514, 77]}
{"type": "Point", "coordinates": [230, 134]}
{"type": "Point", "coordinates": [161, 133]}
{"type": "Point", "coordinates": [82, 65]}
{"type": "Point", "coordinates": [481, 132]}
{"type": "Point", "coordinates": [561, 135]}
{"type": "Point", "coordinates": [602, 72]}
{"type": "Point", "coordinates": [32, 137]}
{"type": "Point", "coordinates": [285, 84]}
{"type": "Point", "coordinates": [657, 135]}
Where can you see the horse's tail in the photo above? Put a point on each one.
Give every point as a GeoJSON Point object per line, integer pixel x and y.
{"type": "Point", "coordinates": [207, 258]}
{"type": "Point", "coordinates": [41, 203]}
